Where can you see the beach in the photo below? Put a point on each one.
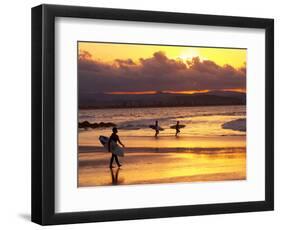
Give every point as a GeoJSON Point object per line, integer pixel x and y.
{"type": "Point", "coordinates": [169, 164]}
{"type": "Point", "coordinates": [204, 151]}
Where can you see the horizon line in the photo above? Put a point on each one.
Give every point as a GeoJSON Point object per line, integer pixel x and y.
{"type": "Point", "coordinates": [154, 92]}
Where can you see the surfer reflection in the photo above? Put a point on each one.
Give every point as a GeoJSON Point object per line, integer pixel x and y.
{"type": "Point", "coordinates": [114, 137]}
{"type": "Point", "coordinates": [177, 128]}
{"type": "Point", "coordinates": [114, 176]}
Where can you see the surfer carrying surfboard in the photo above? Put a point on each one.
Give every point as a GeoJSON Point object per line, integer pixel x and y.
{"type": "Point", "coordinates": [114, 137]}
{"type": "Point", "coordinates": [177, 128]}
{"type": "Point", "coordinates": [156, 128]}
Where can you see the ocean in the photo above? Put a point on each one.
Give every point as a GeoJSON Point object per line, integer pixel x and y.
{"type": "Point", "coordinates": [199, 121]}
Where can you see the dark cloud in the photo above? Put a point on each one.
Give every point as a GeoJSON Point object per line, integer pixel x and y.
{"type": "Point", "coordinates": [127, 62]}
{"type": "Point", "coordinates": [156, 73]}
{"type": "Point", "coordinates": [84, 55]}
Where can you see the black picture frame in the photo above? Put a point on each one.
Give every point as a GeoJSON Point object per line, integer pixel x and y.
{"type": "Point", "coordinates": [43, 110]}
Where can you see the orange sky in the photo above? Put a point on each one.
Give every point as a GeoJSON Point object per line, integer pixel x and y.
{"type": "Point", "coordinates": [108, 52]}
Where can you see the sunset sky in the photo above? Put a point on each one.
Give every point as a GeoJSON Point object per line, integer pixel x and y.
{"type": "Point", "coordinates": [128, 68]}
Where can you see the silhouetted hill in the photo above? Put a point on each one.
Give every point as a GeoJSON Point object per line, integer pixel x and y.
{"type": "Point", "coordinates": [161, 100]}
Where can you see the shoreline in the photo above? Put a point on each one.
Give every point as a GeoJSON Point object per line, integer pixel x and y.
{"type": "Point", "coordinates": [90, 139]}
{"type": "Point", "coordinates": [198, 150]}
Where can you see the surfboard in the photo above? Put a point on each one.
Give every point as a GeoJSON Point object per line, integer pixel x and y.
{"type": "Point", "coordinates": [175, 126]}
{"type": "Point", "coordinates": [154, 127]}
{"type": "Point", "coordinates": [114, 147]}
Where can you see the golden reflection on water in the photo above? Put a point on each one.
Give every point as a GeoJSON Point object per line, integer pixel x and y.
{"type": "Point", "coordinates": [167, 168]}
{"type": "Point", "coordinates": [205, 164]}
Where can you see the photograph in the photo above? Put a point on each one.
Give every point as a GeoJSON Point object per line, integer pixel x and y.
{"type": "Point", "coordinates": [151, 114]}
{"type": "Point", "coordinates": [174, 108]}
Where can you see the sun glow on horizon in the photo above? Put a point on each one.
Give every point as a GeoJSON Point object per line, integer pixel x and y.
{"type": "Point", "coordinates": [174, 92]}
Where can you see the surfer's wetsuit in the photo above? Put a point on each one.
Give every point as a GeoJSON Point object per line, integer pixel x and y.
{"type": "Point", "coordinates": [114, 137]}
{"type": "Point", "coordinates": [177, 130]}
{"type": "Point", "coordinates": [156, 129]}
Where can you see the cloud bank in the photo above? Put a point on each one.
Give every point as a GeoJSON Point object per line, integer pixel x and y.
{"type": "Point", "coordinates": [157, 73]}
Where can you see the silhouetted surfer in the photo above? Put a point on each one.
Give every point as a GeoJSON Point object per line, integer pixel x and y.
{"type": "Point", "coordinates": [177, 128]}
{"type": "Point", "coordinates": [156, 128]}
{"type": "Point", "coordinates": [114, 137]}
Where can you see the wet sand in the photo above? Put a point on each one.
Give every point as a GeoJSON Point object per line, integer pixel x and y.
{"type": "Point", "coordinates": [164, 160]}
